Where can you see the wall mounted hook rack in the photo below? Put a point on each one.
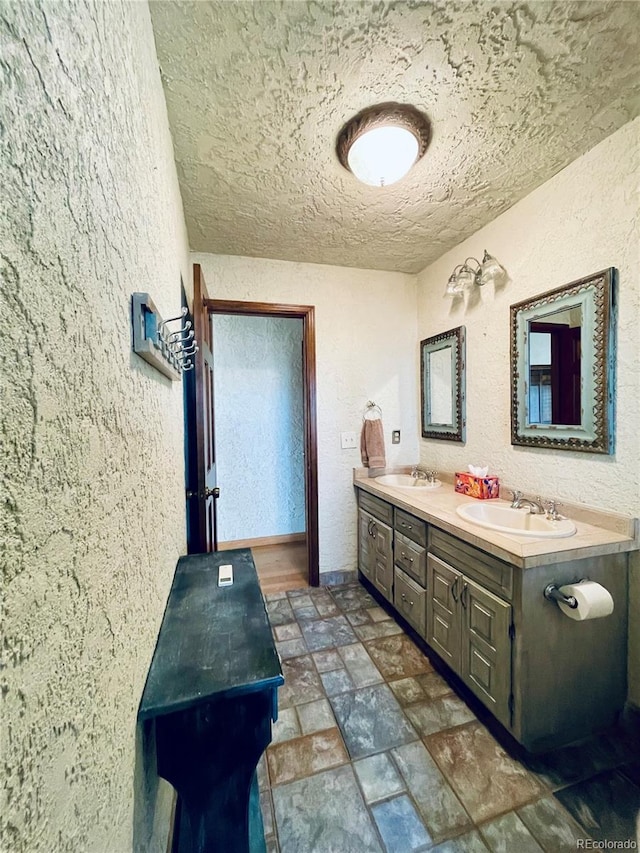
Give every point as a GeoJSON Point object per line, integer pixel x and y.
{"type": "Point", "coordinates": [157, 342]}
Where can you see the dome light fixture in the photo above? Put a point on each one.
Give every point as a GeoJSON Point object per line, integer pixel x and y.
{"type": "Point", "coordinates": [381, 143]}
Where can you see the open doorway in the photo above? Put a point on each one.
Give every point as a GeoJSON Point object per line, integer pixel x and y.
{"type": "Point", "coordinates": [264, 377]}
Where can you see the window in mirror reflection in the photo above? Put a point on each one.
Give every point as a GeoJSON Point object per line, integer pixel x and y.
{"type": "Point", "coordinates": [554, 368]}
{"type": "Point", "coordinates": [563, 357]}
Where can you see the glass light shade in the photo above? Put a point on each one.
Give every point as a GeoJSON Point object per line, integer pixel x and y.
{"type": "Point", "coordinates": [452, 285]}
{"type": "Point", "coordinates": [490, 270]}
{"type": "Point", "coordinates": [383, 155]}
{"type": "Point", "coordinates": [466, 277]}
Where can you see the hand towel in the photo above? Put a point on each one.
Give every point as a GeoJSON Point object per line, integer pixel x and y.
{"type": "Point", "coordinates": [372, 444]}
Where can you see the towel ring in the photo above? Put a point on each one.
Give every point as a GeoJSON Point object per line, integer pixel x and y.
{"type": "Point", "coordinates": [372, 411]}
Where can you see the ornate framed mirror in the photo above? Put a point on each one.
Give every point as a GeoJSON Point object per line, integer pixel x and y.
{"type": "Point", "coordinates": [563, 366]}
{"type": "Point", "coordinates": [442, 385]}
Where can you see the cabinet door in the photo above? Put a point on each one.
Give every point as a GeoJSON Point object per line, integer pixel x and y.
{"type": "Point", "coordinates": [443, 612]}
{"type": "Point", "coordinates": [365, 544]}
{"type": "Point", "coordinates": [486, 647]}
{"type": "Point", "coordinates": [383, 558]}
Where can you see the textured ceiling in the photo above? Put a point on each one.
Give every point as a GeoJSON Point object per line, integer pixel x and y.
{"type": "Point", "coordinates": [258, 91]}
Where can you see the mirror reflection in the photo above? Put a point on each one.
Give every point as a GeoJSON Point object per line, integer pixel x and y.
{"type": "Point", "coordinates": [554, 368]}
{"type": "Point", "coordinates": [440, 408]}
{"type": "Point", "coordinates": [442, 385]}
{"type": "Point", "coordinates": [562, 366]}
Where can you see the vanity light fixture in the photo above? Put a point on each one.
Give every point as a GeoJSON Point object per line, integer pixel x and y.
{"type": "Point", "coordinates": [473, 272]}
{"type": "Point", "coordinates": [381, 143]}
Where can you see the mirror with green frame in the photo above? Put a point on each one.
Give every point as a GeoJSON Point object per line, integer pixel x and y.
{"type": "Point", "coordinates": [442, 385]}
{"type": "Point", "coordinates": [562, 366]}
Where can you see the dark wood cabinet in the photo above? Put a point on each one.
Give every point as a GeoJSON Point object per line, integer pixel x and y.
{"type": "Point", "coordinates": [485, 648]}
{"type": "Point", "coordinates": [365, 544]}
{"type": "Point", "coordinates": [375, 552]}
{"type": "Point", "coordinates": [469, 628]}
{"type": "Point", "coordinates": [383, 558]}
{"type": "Point", "coordinates": [548, 679]}
{"type": "Point", "coordinates": [443, 614]}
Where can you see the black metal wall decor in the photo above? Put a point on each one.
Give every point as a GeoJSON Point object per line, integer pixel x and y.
{"type": "Point", "coordinates": [169, 345]}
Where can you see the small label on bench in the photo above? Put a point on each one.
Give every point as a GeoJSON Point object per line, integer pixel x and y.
{"type": "Point", "coordinates": [225, 575]}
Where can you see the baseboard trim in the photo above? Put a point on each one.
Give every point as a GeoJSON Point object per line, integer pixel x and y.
{"type": "Point", "coordinates": [262, 540]}
{"type": "Point", "coordinates": [339, 577]}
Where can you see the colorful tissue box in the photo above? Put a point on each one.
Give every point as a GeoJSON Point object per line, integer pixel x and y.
{"type": "Point", "coordinates": [477, 487]}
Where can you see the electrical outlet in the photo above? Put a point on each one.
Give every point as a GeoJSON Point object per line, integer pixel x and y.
{"type": "Point", "coordinates": [348, 440]}
{"type": "Point", "coordinates": [395, 436]}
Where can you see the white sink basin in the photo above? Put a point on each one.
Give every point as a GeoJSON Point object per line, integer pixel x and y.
{"type": "Point", "coordinates": [406, 481]}
{"type": "Point", "coordinates": [517, 521]}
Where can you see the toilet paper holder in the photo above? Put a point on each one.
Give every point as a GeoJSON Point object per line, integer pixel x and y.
{"type": "Point", "coordinates": [552, 593]}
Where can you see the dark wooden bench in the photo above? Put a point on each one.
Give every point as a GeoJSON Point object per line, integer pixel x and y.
{"type": "Point", "coordinates": [212, 693]}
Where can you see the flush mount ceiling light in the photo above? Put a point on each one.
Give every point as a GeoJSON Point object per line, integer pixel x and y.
{"type": "Point", "coordinates": [380, 144]}
{"type": "Point", "coordinates": [473, 272]}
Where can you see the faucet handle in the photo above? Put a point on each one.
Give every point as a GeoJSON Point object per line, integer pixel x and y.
{"type": "Point", "coordinates": [551, 510]}
{"type": "Point", "coordinates": [431, 476]}
{"type": "Point", "coordinates": [515, 496]}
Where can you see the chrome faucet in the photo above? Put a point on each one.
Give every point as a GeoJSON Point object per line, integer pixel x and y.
{"type": "Point", "coordinates": [552, 511]}
{"type": "Point", "coordinates": [418, 474]}
{"type": "Point", "coordinates": [518, 502]}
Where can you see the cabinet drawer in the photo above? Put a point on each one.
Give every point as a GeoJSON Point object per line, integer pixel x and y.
{"type": "Point", "coordinates": [493, 573]}
{"type": "Point", "coordinates": [410, 600]}
{"type": "Point", "coordinates": [411, 558]}
{"type": "Point", "coordinates": [412, 527]}
{"type": "Point", "coordinates": [381, 509]}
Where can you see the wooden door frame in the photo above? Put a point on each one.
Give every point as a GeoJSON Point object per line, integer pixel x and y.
{"type": "Point", "coordinates": [306, 313]}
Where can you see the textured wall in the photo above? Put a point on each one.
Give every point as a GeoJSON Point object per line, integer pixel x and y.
{"type": "Point", "coordinates": [365, 349]}
{"type": "Point", "coordinates": [584, 219]}
{"type": "Point", "coordinates": [259, 426]}
{"type": "Point", "coordinates": [92, 446]}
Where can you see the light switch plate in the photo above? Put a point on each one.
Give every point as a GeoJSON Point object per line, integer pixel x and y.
{"type": "Point", "coordinates": [347, 440]}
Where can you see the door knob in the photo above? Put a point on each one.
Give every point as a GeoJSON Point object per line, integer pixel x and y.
{"type": "Point", "coordinates": [208, 493]}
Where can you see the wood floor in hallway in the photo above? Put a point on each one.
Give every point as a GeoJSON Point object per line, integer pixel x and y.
{"type": "Point", "coordinates": [281, 567]}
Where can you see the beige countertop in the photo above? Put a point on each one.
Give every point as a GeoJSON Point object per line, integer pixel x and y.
{"type": "Point", "coordinates": [598, 532]}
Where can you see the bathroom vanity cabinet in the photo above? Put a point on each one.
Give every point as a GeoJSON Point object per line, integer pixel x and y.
{"type": "Point", "coordinates": [548, 679]}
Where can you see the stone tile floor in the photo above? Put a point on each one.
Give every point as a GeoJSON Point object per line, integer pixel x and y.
{"type": "Point", "coordinates": [373, 751]}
